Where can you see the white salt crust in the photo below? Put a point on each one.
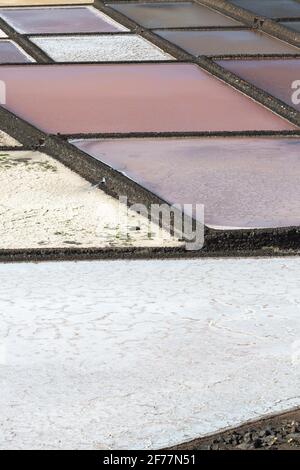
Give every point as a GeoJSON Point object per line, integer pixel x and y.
{"type": "Point", "coordinates": [44, 204]}
{"type": "Point", "coordinates": [144, 354]}
{"type": "Point", "coordinates": [8, 141]}
{"type": "Point", "coordinates": [104, 48]}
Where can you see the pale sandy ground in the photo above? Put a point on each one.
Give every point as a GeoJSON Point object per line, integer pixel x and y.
{"type": "Point", "coordinates": [104, 48]}
{"type": "Point", "coordinates": [7, 140]}
{"type": "Point", "coordinates": [143, 354]}
{"type": "Point", "coordinates": [44, 204]}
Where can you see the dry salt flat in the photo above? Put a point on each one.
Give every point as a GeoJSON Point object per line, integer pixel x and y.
{"type": "Point", "coordinates": [7, 140]}
{"type": "Point", "coordinates": [102, 48]}
{"type": "Point", "coordinates": [119, 354]}
{"type": "Point", "coordinates": [44, 204]}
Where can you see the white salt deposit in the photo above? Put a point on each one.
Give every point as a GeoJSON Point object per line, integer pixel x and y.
{"type": "Point", "coordinates": [144, 354]}
{"type": "Point", "coordinates": [44, 204]}
{"type": "Point", "coordinates": [104, 48]}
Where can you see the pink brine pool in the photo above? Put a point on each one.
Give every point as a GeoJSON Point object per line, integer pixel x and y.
{"type": "Point", "coordinates": [131, 98]}
{"type": "Point", "coordinates": [242, 182]}
{"type": "Point", "coordinates": [77, 19]}
{"type": "Point", "coordinates": [276, 77]}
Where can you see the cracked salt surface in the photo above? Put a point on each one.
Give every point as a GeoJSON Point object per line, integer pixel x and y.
{"type": "Point", "coordinates": [44, 204]}
{"type": "Point", "coordinates": [144, 354]}
{"type": "Point", "coordinates": [102, 48]}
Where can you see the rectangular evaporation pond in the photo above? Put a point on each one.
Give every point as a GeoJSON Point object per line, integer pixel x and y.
{"type": "Point", "coordinates": [226, 43]}
{"type": "Point", "coordinates": [276, 77]}
{"type": "Point", "coordinates": [59, 20]}
{"type": "Point", "coordinates": [271, 8]}
{"type": "Point", "coordinates": [75, 217]}
{"type": "Point", "coordinates": [294, 25]}
{"type": "Point", "coordinates": [26, 3]}
{"type": "Point", "coordinates": [242, 182]}
{"type": "Point", "coordinates": [11, 53]}
{"type": "Point", "coordinates": [131, 98]}
{"type": "Point", "coordinates": [103, 48]}
{"type": "Point", "coordinates": [173, 15]}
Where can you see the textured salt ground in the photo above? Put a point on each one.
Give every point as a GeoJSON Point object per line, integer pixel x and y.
{"type": "Point", "coordinates": [80, 19]}
{"type": "Point", "coordinates": [44, 204]}
{"type": "Point", "coordinates": [102, 48]}
{"type": "Point", "coordinates": [144, 354]}
{"type": "Point", "coordinates": [7, 140]}
{"type": "Point", "coordinates": [2, 34]}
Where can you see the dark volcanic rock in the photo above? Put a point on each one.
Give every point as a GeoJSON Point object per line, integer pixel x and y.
{"type": "Point", "coordinates": [269, 434]}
